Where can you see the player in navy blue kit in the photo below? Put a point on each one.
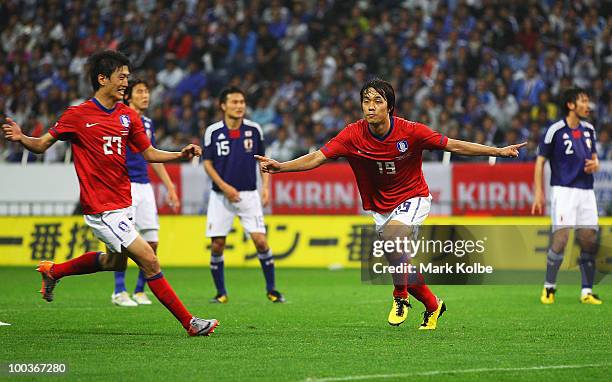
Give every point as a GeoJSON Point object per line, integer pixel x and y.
{"type": "Point", "coordinates": [143, 199]}
{"type": "Point", "coordinates": [569, 146]}
{"type": "Point", "coordinates": [229, 146]}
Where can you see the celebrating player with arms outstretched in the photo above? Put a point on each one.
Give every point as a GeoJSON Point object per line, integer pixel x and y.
{"type": "Point", "coordinates": [143, 199]}
{"type": "Point", "coordinates": [385, 153]}
{"type": "Point", "coordinates": [229, 146]}
{"type": "Point", "coordinates": [99, 131]}
{"type": "Point", "coordinates": [569, 144]}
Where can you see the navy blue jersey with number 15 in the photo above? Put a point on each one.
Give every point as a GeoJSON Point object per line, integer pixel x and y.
{"type": "Point", "coordinates": [231, 152]}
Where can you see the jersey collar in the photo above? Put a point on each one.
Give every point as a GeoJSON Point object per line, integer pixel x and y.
{"type": "Point", "coordinates": [572, 128]}
{"type": "Point", "coordinates": [382, 138]}
{"type": "Point", "coordinates": [104, 109]}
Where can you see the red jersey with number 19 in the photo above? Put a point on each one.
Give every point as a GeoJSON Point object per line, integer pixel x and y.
{"type": "Point", "coordinates": [98, 137]}
{"type": "Point", "coordinates": [388, 169]}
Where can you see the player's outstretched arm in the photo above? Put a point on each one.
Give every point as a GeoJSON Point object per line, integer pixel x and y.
{"type": "Point", "coordinates": [456, 146]}
{"type": "Point", "coordinates": [12, 132]}
{"type": "Point", "coordinates": [538, 201]}
{"type": "Point", "coordinates": [303, 163]}
{"type": "Point", "coordinates": [153, 155]}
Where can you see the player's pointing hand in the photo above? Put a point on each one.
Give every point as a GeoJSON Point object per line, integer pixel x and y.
{"type": "Point", "coordinates": [191, 150]}
{"type": "Point", "coordinates": [511, 151]}
{"type": "Point", "coordinates": [268, 165]}
{"type": "Point", "coordinates": [12, 131]}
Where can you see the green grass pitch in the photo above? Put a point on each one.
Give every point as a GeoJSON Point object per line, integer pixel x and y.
{"type": "Point", "coordinates": [333, 328]}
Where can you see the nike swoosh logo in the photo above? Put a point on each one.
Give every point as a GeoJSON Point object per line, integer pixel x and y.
{"type": "Point", "coordinates": [91, 124]}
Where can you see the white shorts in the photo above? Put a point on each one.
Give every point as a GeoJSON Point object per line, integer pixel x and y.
{"type": "Point", "coordinates": [145, 211]}
{"type": "Point", "coordinates": [412, 212]}
{"type": "Point", "coordinates": [115, 228]}
{"type": "Point", "coordinates": [573, 208]}
{"type": "Point", "coordinates": [221, 213]}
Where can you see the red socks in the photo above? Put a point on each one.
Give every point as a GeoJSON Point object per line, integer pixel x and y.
{"type": "Point", "coordinates": [84, 264]}
{"type": "Point", "coordinates": [420, 291]}
{"type": "Point", "coordinates": [165, 294]}
{"type": "Point", "coordinates": [400, 291]}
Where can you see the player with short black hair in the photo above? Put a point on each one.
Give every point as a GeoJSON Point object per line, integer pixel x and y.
{"type": "Point", "coordinates": [570, 147]}
{"type": "Point", "coordinates": [99, 130]}
{"type": "Point", "coordinates": [225, 92]}
{"type": "Point", "coordinates": [105, 63]}
{"type": "Point", "coordinates": [143, 198]}
{"type": "Point", "coordinates": [385, 154]}
{"type": "Point", "coordinates": [229, 146]}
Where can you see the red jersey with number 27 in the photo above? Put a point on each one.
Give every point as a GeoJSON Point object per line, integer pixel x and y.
{"type": "Point", "coordinates": [388, 169]}
{"type": "Point", "coordinates": [99, 137]}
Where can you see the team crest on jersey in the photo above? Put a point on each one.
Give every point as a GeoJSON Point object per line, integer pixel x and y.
{"type": "Point", "coordinates": [248, 145]}
{"type": "Point", "coordinates": [248, 133]}
{"type": "Point", "coordinates": [402, 146]}
{"type": "Point", "coordinates": [125, 120]}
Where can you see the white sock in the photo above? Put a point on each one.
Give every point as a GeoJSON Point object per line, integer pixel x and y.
{"type": "Point", "coordinates": [549, 285]}
{"type": "Point", "coordinates": [586, 291]}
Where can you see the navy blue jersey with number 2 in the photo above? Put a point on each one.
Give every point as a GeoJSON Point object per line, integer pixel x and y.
{"type": "Point", "coordinates": [567, 149]}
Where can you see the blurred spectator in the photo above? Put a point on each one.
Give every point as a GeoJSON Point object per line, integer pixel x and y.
{"type": "Point", "coordinates": [283, 148]}
{"type": "Point", "coordinates": [488, 71]}
{"type": "Point", "coordinates": [172, 74]}
{"type": "Point", "coordinates": [192, 82]}
{"type": "Point", "coordinates": [529, 88]}
{"type": "Point", "coordinates": [180, 43]}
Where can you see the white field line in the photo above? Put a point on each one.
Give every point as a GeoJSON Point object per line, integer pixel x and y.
{"type": "Point", "coordinates": [459, 371]}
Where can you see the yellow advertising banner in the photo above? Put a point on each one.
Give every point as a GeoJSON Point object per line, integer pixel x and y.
{"type": "Point", "coordinates": [296, 241]}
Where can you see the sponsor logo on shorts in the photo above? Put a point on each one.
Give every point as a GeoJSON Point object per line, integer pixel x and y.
{"type": "Point", "coordinates": [125, 227]}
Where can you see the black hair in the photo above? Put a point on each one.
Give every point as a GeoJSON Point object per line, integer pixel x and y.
{"type": "Point", "coordinates": [227, 91]}
{"type": "Point", "coordinates": [383, 88]}
{"type": "Point", "coordinates": [105, 63]}
{"type": "Point", "coordinates": [128, 91]}
{"type": "Point", "coordinates": [571, 95]}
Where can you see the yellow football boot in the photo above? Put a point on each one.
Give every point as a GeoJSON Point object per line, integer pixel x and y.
{"type": "Point", "coordinates": [219, 299]}
{"type": "Point", "coordinates": [430, 319]}
{"type": "Point", "coordinates": [399, 311]}
{"type": "Point", "coordinates": [591, 299]}
{"type": "Point", "coordinates": [275, 296]}
{"type": "Point", "coordinates": [548, 296]}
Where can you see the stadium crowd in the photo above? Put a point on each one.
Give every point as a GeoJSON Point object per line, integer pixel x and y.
{"type": "Point", "coordinates": [487, 71]}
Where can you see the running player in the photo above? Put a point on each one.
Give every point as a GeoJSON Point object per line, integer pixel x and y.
{"type": "Point", "coordinates": [569, 146]}
{"type": "Point", "coordinates": [143, 199]}
{"type": "Point", "coordinates": [99, 130]}
{"type": "Point", "coordinates": [229, 146]}
{"type": "Point", "coordinates": [385, 153]}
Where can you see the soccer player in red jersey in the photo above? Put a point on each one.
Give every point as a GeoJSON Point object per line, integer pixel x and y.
{"type": "Point", "coordinates": [99, 130]}
{"type": "Point", "coordinates": [385, 153]}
